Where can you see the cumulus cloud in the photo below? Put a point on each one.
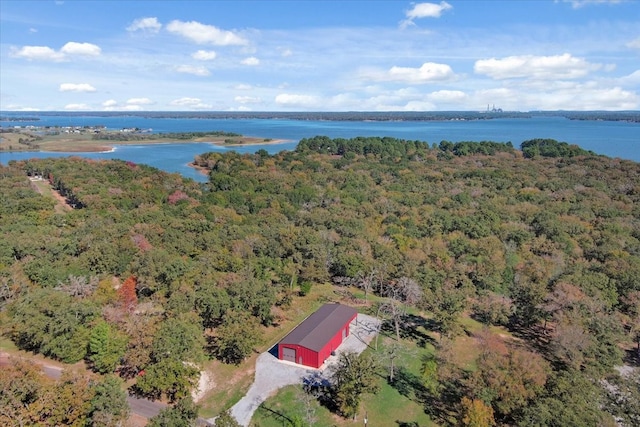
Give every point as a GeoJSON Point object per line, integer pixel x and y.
{"type": "Point", "coordinates": [425, 10]}
{"type": "Point", "coordinates": [110, 103]}
{"type": "Point", "coordinates": [150, 25]}
{"type": "Point", "coordinates": [76, 107]}
{"type": "Point", "coordinates": [139, 101]}
{"type": "Point", "coordinates": [204, 55]}
{"type": "Point", "coordinates": [296, 100]}
{"type": "Point", "coordinates": [38, 53]}
{"type": "Point", "coordinates": [205, 34]}
{"type": "Point", "coordinates": [193, 69]}
{"type": "Point", "coordinates": [243, 86]}
{"type": "Point", "coordinates": [428, 10]}
{"type": "Point", "coordinates": [192, 103]}
{"type": "Point", "coordinates": [251, 61]}
{"type": "Point", "coordinates": [81, 49]}
{"type": "Point", "coordinates": [538, 67]}
{"type": "Point", "coordinates": [45, 53]}
{"type": "Point", "coordinates": [76, 87]}
{"type": "Point", "coordinates": [428, 72]}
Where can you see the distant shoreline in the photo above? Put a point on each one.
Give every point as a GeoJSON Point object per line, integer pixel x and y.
{"type": "Point", "coordinates": [382, 116]}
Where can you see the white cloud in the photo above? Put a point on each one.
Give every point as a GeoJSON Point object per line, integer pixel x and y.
{"type": "Point", "coordinates": [428, 72]}
{"type": "Point", "coordinates": [247, 100]}
{"type": "Point", "coordinates": [611, 98]}
{"type": "Point", "coordinates": [192, 69]}
{"type": "Point", "coordinates": [33, 30]}
{"type": "Point", "coordinates": [538, 67]}
{"type": "Point", "coordinates": [150, 25]}
{"type": "Point", "coordinates": [81, 49]}
{"type": "Point", "coordinates": [139, 101]}
{"type": "Point", "coordinates": [110, 103]}
{"type": "Point", "coordinates": [428, 10]}
{"type": "Point", "coordinates": [204, 55]}
{"type": "Point", "coordinates": [631, 79]}
{"type": "Point", "coordinates": [425, 10]}
{"type": "Point", "coordinates": [77, 107]}
{"type": "Point", "coordinates": [295, 100]}
{"type": "Point", "coordinates": [286, 52]}
{"type": "Point", "coordinates": [76, 87]}
{"type": "Point", "coordinates": [251, 61]}
{"type": "Point", "coordinates": [38, 53]}
{"type": "Point", "coordinates": [45, 53]}
{"type": "Point", "coordinates": [587, 97]}
{"type": "Point", "coordinates": [192, 103]}
{"type": "Point", "coordinates": [243, 87]}
{"type": "Point", "coordinates": [205, 34]}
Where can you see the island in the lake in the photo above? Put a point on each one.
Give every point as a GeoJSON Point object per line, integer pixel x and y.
{"type": "Point", "coordinates": [77, 139]}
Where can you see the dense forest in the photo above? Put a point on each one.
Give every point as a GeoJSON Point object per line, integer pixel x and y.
{"type": "Point", "coordinates": [144, 271]}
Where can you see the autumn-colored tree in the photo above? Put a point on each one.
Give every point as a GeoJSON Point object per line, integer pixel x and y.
{"type": "Point", "coordinates": [176, 196]}
{"type": "Point", "coordinates": [475, 413]}
{"type": "Point", "coordinates": [70, 401]}
{"type": "Point", "coordinates": [140, 330]}
{"type": "Point", "coordinates": [127, 294]}
{"type": "Point", "coordinates": [508, 378]}
{"type": "Point", "coordinates": [22, 387]}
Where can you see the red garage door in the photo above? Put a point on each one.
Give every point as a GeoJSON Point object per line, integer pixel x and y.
{"type": "Point", "coordinates": [289, 354]}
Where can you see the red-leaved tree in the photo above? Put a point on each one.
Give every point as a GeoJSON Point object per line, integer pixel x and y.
{"type": "Point", "coordinates": [127, 294]}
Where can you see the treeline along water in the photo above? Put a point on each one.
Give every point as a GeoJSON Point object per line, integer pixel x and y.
{"type": "Point", "coordinates": [610, 138]}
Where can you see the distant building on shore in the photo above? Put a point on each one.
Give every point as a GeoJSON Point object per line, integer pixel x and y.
{"type": "Point", "coordinates": [494, 109]}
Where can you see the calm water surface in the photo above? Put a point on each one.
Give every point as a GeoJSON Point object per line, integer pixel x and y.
{"type": "Point", "coordinates": [614, 139]}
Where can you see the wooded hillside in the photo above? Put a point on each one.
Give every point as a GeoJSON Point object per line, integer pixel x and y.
{"type": "Point", "coordinates": [150, 270]}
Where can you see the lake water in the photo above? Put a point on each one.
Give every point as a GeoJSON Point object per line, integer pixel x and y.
{"type": "Point", "coordinates": [611, 138]}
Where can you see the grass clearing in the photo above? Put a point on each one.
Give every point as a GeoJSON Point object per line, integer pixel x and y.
{"type": "Point", "coordinates": [397, 403]}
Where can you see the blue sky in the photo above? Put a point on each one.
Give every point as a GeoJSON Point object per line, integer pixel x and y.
{"type": "Point", "coordinates": [313, 55]}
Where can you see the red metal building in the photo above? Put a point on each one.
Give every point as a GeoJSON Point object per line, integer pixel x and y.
{"type": "Point", "coordinates": [313, 340]}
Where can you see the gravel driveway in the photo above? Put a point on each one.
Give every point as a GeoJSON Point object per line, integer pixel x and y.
{"type": "Point", "coordinates": [273, 374]}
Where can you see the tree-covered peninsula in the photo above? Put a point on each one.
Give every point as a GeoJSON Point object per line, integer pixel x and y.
{"type": "Point", "coordinates": [509, 283]}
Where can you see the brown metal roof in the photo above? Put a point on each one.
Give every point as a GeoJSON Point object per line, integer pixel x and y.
{"type": "Point", "coordinates": [318, 329]}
